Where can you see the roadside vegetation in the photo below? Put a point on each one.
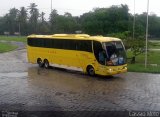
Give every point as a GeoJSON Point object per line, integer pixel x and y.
{"type": "Point", "coordinates": [153, 61]}
{"type": "Point", "coordinates": [154, 44]}
{"type": "Point", "coordinates": [14, 38]}
{"type": "Point", "coordinates": [141, 68]}
{"type": "Point", "coordinates": [5, 44]}
{"type": "Point", "coordinates": [5, 47]}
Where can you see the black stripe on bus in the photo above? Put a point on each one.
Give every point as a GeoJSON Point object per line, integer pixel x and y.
{"type": "Point", "coordinates": [68, 44]}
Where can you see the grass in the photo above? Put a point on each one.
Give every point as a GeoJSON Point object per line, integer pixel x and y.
{"type": "Point", "coordinates": [154, 44]}
{"type": "Point", "coordinates": [14, 38]}
{"type": "Point", "coordinates": [5, 47]}
{"type": "Point", "coordinates": [153, 57]}
{"type": "Point", "coordinates": [153, 62]}
{"type": "Point", "coordinates": [141, 68]}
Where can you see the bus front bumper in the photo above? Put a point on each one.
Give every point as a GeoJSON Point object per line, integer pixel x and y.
{"type": "Point", "coordinates": [112, 70]}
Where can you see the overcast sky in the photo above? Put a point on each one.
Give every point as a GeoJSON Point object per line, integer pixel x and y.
{"type": "Point", "coordinates": [78, 7]}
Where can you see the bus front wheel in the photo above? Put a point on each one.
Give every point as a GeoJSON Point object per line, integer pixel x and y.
{"type": "Point", "coordinates": [39, 62]}
{"type": "Point", "coordinates": [46, 64]}
{"type": "Point", "coordinates": [90, 71]}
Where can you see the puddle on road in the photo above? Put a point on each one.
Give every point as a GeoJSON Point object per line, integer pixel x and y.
{"type": "Point", "coordinates": [14, 74]}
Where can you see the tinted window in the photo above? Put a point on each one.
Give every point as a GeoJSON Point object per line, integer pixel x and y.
{"type": "Point", "coordinates": [48, 43]}
{"type": "Point", "coordinates": [69, 44]}
{"type": "Point", "coordinates": [64, 44]}
{"type": "Point", "coordinates": [84, 45]}
{"type": "Point", "coordinates": [97, 48]}
{"type": "Point", "coordinates": [81, 45]}
{"type": "Point", "coordinates": [36, 42]}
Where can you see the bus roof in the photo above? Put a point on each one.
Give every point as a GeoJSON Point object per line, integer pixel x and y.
{"type": "Point", "coordinates": [76, 37]}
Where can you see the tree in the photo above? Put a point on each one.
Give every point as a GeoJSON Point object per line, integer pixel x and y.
{"type": "Point", "coordinates": [67, 14]}
{"type": "Point", "coordinates": [103, 21]}
{"type": "Point", "coordinates": [52, 20]}
{"type": "Point", "coordinates": [12, 19]}
{"type": "Point", "coordinates": [4, 24]}
{"type": "Point", "coordinates": [63, 23]}
{"type": "Point", "coordinates": [154, 26]}
{"type": "Point", "coordinates": [22, 20]}
{"type": "Point", "coordinates": [90, 23]}
{"type": "Point", "coordinates": [33, 20]}
{"type": "Point", "coordinates": [43, 25]}
{"type": "Point", "coordinates": [70, 24]}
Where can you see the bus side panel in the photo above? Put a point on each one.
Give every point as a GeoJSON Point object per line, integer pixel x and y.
{"type": "Point", "coordinates": [70, 58]}
{"type": "Point", "coordinates": [34, 53]}
{"type": "Point", "coordinates": [65, 57]}
{"type": "Point", "coordinates": [54, 56]}
{"type": "Point", "coordinates": [85, 59]}
{"type": "Point", "coordinates": [30, 54]}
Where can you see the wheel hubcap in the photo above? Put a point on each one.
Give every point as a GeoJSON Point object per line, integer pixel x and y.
{"type": "Point", "coordinates": [91, 71]}
{"type": "Point", "coordinates": [46, 64]}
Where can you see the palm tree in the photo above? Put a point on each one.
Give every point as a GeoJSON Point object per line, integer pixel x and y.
{"type": "Point", "coordinates": [22, 19]}
{"type": "Point", "coordinates": [12, 20]}
{"type": "Point", "coordinates": [34, 15]}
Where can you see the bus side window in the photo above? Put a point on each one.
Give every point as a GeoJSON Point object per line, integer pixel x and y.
{"type": "Point", "coordinates": [35, 42]}
{"type": "Point", "coordinates": [64, 44]}
{"type": "Point", "coordinates": [29, 42]}
{"type": "Point", "coordinates": [69, 44]}
{"type": "Point", "coordinates": [84, 45]}
{"type": "Point", "coordinates": [72, 45]}
{"type": "Point", "coordinates": [48, 43]}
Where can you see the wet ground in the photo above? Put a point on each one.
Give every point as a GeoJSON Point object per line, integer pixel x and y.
{"type": "Point", "coordinates": [25, 87]}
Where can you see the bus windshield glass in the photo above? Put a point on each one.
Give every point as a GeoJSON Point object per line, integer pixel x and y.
{"type": "Point", "coordinates": [115, 53]}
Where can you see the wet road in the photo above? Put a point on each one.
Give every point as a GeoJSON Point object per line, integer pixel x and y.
{"type": "Point", "coordinates": [24, 86]}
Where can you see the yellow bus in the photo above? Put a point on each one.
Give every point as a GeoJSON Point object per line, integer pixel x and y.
{"type": "Point", "coordinates": [89, 54]}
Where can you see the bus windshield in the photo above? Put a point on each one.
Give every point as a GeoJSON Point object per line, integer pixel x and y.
{"type": "Point", "coordinates": [115, 53]}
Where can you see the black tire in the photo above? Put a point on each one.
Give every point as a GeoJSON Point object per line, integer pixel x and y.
{"type": "Point", "coordinates": [40, 62]}
{"type": "Point", "coordinates": [46, 64]}
{"type": "Point", "coordinates": [90, 71]}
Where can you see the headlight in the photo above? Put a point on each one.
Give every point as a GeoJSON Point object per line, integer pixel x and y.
{"type": "Point", "coordinates": [110, 70]}
{"type": "Point", "coordinates": [125, 67]}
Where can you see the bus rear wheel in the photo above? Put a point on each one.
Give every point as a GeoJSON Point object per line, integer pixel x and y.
{"type": "Point", "coordinates": [39, 62]}
{"type": "Point", "coordinates": [90, 71]}
{"type": "Point", "coordinates": [46, 64]}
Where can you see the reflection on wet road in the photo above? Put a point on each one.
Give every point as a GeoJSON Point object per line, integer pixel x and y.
{"type": "Point", "coordinates": [26, 87]}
